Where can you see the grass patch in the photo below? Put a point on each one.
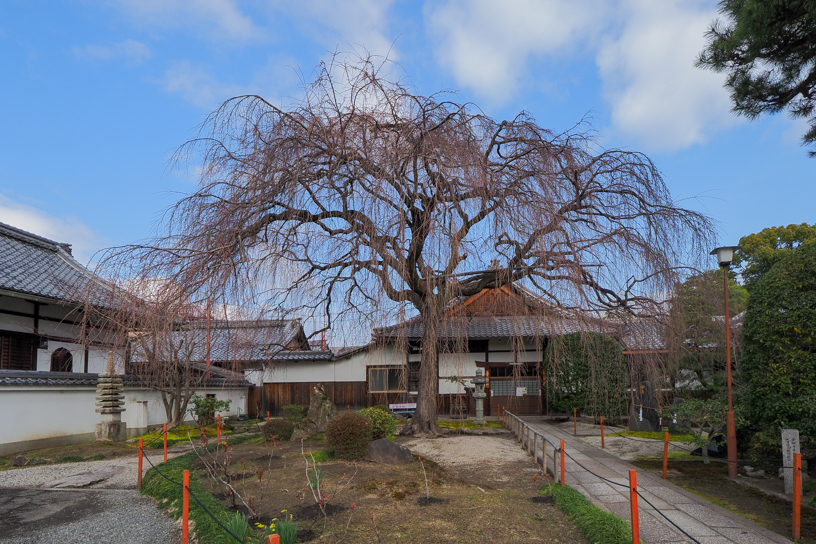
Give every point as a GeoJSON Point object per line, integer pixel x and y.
{"type": "Point", "coordinates": [466, 424]}
{"type": "Point", "coordinates": [69, 459]}
{"type": "Point", "coordinates": [169, 497]}
{"type": "Point", "coordinates": [675, 455]}
{"type": "Point", "coordinates": [252, 438]}
{"type": "Point", "coordinates": [655, 435]}
{"type": "Point", "coordinates": [593, 523]}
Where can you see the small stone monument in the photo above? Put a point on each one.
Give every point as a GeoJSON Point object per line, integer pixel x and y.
{"type": "Point", "coordinates": [644, 416]}
{"type": "Point", "coordinates": [790, 445]}
{"type": "Point", "coordinates": [321, 410]}
{"type": "Point", "coordinates": [674, 425]}
{"type": "Point", "coordinates": [479, 395]}
{"type": "Point", "coordinates": [110, 402]}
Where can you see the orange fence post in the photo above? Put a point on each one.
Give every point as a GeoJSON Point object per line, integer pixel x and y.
{"type": "Point", "coordinates": [603, 446]}
{"type": "Point", "coordinates": [274, 539]}
{"type": "Point", "coordinates": [797, 494]}
{"type": "Point", "coordinates": [141, 452]}
{"type": "Point", "coordinates": [563, 472]}
{"type": "Point", "coordinates": [633, 501]}
{"type": "Point", "coordinates": [165, 442]}
{"type": "Point", "coordinates": [218, 428]}
{"type": "Point", "coordinates": [185, 509]}
{"type": "Point", "coordinates": [665, 455]}
{"type": "Point", "coordinates": [575, 421]}
{"type": "Point", "coordinates": [267, 416]}
{"type": "Point", "coordinates": [348, 408]}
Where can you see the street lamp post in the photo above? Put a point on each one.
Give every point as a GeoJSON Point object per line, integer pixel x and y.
{"type": "Point", "coordinates": [724, 257]}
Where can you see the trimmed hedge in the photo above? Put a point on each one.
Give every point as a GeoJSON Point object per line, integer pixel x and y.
{"type": "Point", "coordinates": [281, 429]}
{"type": "Point", "coordinates": [779, 357]}
{"type": "Point", "coordinates": [594, 524]}
{"type": "Point", "coordinates": [348, 435]}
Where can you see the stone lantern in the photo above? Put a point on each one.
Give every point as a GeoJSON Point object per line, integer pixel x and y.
{"type": "Point", "coordinates": [110, 403]}
{"type": "Point", "coordinates": [479, 395]}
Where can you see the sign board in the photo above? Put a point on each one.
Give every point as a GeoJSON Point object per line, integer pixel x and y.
{"type": "Point", "coordinates": [521, 391]}
{"type": "Point", "coordinates": [404, 406]}
{"type": "Point", "coordinates": [790, 445]}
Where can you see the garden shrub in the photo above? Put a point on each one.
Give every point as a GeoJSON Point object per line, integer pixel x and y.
{"type": "Point", "coordinates": [382, 422]}
{"type": "Point", "coordinates": [281, 429]}
{"type": "Point", "coordinates": [295, 412]}
{"type": "Point", "coordinates": [779, 352]}
{"type": "Point", "coordinates": [348, 435]}
{"type": "Point", "coordinates": [586, 371]}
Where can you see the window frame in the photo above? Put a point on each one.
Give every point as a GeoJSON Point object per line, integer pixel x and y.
{"type": "Point", "coordinates": [399, 368]}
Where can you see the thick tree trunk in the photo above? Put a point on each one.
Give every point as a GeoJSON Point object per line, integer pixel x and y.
{"type": "Point", "coordinates": [425, 414]}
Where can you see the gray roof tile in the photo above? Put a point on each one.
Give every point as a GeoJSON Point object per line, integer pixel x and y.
{"type": "Point", "coordinates": [33, 265]}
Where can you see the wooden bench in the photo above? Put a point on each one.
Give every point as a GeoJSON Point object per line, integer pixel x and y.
{"type": "Point", "coordinates": [407, 408]}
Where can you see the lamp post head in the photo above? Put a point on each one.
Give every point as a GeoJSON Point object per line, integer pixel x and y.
{"type": "Point", "coordinates": [725, 254]}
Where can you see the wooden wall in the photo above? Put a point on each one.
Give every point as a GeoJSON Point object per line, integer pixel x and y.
{"type": "Point", "coordinates": [275, 396]}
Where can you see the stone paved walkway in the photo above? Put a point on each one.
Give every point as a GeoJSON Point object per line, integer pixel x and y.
{"type": "Point", "coordinates": [703, 520]}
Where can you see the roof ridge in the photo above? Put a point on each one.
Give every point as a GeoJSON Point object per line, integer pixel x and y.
{"type": "Point", "coordinates": [33, 239]}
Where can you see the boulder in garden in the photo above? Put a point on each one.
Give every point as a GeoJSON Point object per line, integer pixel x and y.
{"type": "Point", "coordinates": [386, 452]}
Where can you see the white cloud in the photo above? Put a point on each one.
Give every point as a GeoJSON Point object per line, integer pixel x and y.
{"type": "Point", "coordinates": [131, 50]}
{"type": "Point", "coordinates": [657, 95]}
{"type": "Point", "coordinates": [488, 45]}
{"type": "Point", "coordinates": [217, 20]}
{"type": "Point", "coordinates": [197, 86]}
{"type": "Point", "coordinates": [358, 23]}
{"type": "Point", "coordinates": [644, 51]}
{"type": "Point", "coordinates": [66, 229]}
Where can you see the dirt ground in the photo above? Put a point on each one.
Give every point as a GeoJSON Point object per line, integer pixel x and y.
{"type": "Point", "coordinates": [479, 489]}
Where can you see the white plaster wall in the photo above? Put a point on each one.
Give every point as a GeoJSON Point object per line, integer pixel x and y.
{"type": "Point", "coordinates": [32, 413]}
{"type": "Point", "coordinates": [156, 414]}
{"type": "Point", "coordinates": [349, 369]}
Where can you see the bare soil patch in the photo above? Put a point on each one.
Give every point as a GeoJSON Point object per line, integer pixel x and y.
{"type": "Point", "coordinates": [477, 491]}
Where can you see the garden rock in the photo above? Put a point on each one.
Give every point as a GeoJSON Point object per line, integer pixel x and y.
{"type": "Point", "coordinates": [321, 409]}
{"type": "Point", "coordinates": [386, 452]}
{"type": "Point", "coordinates": [19, 461]}
{"type": "Point", "coordinates": [405, 430]}
{"type": "Point", "coordinates": [752, 472]}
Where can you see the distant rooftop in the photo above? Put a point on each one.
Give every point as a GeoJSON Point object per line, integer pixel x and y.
{"type": "Point", "coordinates": [36, 266]}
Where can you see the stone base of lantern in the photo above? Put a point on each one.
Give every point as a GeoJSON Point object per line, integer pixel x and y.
{"type": "Point", "coordinates": [111, 430]}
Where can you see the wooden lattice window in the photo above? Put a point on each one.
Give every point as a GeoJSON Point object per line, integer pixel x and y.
{"type": "Point", "coordinates": [18, 352]}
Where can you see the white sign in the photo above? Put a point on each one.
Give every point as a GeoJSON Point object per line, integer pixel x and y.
{"type": "Point", "coordinates": [405, 406]}
{"type": "Point", "coordinates": [790, 445]}
{"type": "Point", "coordinates": [520, 391]}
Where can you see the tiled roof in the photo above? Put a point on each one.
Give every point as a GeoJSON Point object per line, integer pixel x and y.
{"type": "Point", "coordinates": [485, 328]}
{"type": "Point", "coordinates": [302, 355]}
{"type": "Point", "coordinates": [235, 341]}
{"type": "Point", "coordinates": [30, 377]}
{"type": "Point", "coordinates": [33, 265]}
{"type": "Point", "coordinates": [643, 334]}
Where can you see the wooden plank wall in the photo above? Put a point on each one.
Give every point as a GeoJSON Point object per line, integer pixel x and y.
{"type": "Point", "coordinates": [278, 395]}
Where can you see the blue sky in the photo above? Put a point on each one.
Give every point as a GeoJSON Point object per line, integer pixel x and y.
{"type": "Point", "coordinates": [96, 96]}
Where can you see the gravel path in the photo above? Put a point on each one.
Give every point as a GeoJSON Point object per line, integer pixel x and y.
{"type": "Point", "coordinates": [106, 512]}
{"type": "Point", "coordinates": [460, 451]}
{"type": "Point", "coordinates": [29, 516]}
{"type": "Point", "coordinates": [35, 476]}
